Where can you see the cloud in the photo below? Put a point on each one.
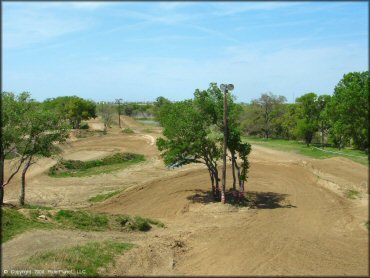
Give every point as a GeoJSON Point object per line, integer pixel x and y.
{"type": "Point", "coordinates": [228, 9]}
{"type": "Point", "coordinates": [27, 25]}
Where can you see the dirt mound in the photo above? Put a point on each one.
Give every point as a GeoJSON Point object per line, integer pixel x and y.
{"type": "Point", "coordinates": [298, 226]}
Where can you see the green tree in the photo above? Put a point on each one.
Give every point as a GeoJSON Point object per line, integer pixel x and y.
{"type": "Point", "coordinates": [324, 121]}
{"type": "Point", "coordinates": [72, 108]}
{"type": "Point", "coordinates": [289, 121]}
{"type": "Point", "coordinates": [269, 106]}
{"type": "Point", "coordinates": [348, 110]}
{"type": "Point", "coordinates": [193, 131]}
{"type": "Point", "coordinates": [158, 104]}
{"type": "Point", "coordinates": [307, 123]}
{"type": "Point", "coordinates": [43, 130]}
{"type": "Point", "coordinates": [13, 110]}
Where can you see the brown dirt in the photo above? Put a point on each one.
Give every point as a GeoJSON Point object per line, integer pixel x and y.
{"type": "Point", "coordinates": [302, 225]}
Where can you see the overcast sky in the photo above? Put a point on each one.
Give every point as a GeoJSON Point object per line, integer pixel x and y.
{"type": "Point", "coordinates": [139, 51]}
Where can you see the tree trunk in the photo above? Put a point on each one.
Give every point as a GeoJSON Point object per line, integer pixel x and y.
{"type": "Point", "coordinates": [233, 172]}
{"type": "Point", "coordinates": [241, 187]}
{"type": "Point", "coordinates": [23, 191]}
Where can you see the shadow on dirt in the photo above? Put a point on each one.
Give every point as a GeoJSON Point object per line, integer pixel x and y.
{"type": "Point", "coordinates": [253, 199]}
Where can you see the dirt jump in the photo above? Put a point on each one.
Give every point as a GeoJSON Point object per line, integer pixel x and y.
{"type": "Point", "coordinates": [301, 224]}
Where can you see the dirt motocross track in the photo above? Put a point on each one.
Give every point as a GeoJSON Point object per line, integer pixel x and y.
{"type": "Point", "coordinates": [302, 223]}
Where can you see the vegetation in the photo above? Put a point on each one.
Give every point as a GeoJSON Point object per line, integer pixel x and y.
{"type": "Point", "coordinates": [88, 259]}
{"type": "Point", "coordinates": [193, 134]}
{"type": "Point", "coordinates": [78, 168]}
{"type": "Point", "coordinates": [72, 108]}
{"type": "Point", "coordinates": [15, 223]}
{"type": "Point", "coordinates": [137, 222]}
{"type": "Point", "coordinates": [103, 197]}
{"type": "Point", "coordinates": [82, 220]}
{"type": "Point", "coordinates": [352, 194]}
{"type": "Point", "coordinates": [127, 130]}
{"type": "Point", "coordinates": [37, 130]}
{"type": "Point", "coordinates": [339, 121]}
{"type": "Point", "coordinates": [311, 151]}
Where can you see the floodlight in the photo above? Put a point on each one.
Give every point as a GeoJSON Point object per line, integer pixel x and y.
{"type": "Point", "coordinates": [230, 87]}
{"type": "Point", "coordinates": [223, 87]}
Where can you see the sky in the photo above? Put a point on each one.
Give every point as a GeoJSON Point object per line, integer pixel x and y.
{"type": "Point", "coordinates": [139, 51]}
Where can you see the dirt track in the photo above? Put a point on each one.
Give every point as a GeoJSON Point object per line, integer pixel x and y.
{"type": "Point", "coordinates": [303, 224]}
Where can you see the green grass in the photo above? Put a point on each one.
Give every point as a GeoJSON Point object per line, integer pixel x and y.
{"type": "Point", "coordinates": [127, 130]}
{"type": "Point", "coordinates": [89, 259]}
{"type": "Point", "coordinates": [138, 223]}
{"type": "Point", "coordinates": [15, 223]}
{"type": "Point", "coordinates": [148, 130]}
{"type": "Point", "coordinates": [78, 168]}
{"type": "Point", "coordinates": [82, 220]}
{"type": "Point", "coordinates": [103, 197]}
{"type": "Point", "coordinates": [301, 148]}
{"type": "Point", "coordinates": [352, 194]}
{"type": "Point", "coordinates": [28, 206]}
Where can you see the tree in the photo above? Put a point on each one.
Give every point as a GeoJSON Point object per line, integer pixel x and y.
{"type": "Point", "coordinates": [43, 129]}
{"type": "Point", "coordinates": [193, 133]}
{"type": "Point", "coordinates": [158, 104]}
{"type": "Point", "coordinates": [289, 121]}
{"type": "Point", "coordinates": [107, 111]}
{"type": "Point", "coordinates": [268, 103]}
{"type": "Point", "coordinates": [13, 110]}
{"type": "Point", "coordinates": [72, 108]}
{"type": "Point", "coordinates": [348, 110]}
{"type": "Point", "coordinates": [307, 123]}
{"type": "Point", "coordinates": [324, 122]}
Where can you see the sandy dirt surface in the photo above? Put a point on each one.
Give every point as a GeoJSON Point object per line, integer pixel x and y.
{"type": "Point", "coordinates": [302, 224]}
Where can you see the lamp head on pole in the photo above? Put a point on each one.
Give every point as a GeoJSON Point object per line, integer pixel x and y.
{"type": "Point", "coordinates": [226, 87]}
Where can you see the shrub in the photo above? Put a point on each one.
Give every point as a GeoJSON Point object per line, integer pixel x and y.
{"type": "Point", "coordinates": [84, 126]}
{"type": "Point", "coordinates": [127, 130]}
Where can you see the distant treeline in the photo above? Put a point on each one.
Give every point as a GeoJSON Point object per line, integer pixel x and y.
{"type": "Point", "coordinates": [340, 119]}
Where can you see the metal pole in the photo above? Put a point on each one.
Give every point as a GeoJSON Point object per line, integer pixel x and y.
{"type": "Point", "coordinates": [225, 149]}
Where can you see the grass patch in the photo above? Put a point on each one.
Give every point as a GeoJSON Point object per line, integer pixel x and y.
{"type": "Point", "coordinates": [147, 121]}
{"type": "Point", "coordinates": [28, 206]}
{"type": "Point", "coordinates": [301, 148]}
{"type": "Point", "coordinates": [88, 259]}
{"type": "Point", "coordinates": [127, 130]}
{"type": "Point", "coordinates": [103, 197]}
{"type": "Point", "coordinates": [352, 194]}
{"type": "Point", "coordinates": [148, 130]}
{"type": "Point", "coordinates": [78, 168]}
{"type": "Point", "coordinates": [82, 220]}
{"type": "Point", "coordinates": [15, 223]}
{"type": "Point", "coordinates": [138, 223]}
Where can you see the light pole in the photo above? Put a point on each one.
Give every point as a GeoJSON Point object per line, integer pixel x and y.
{"type": "Point", "coordinates": [225, 88]}
{"type": "Point", "coordinates": [118, 100]}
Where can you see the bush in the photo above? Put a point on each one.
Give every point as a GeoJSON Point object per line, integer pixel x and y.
{"type": "Point", "coordinates": [71, 167]}
{"type": "Point", "coordinates": [138, 223]}
{"type": "Point", "coordinates": [84, 126]}
{"type": "Point", "coordinates": [127, 130]}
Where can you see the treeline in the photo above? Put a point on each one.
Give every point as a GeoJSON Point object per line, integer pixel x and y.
{"type": "Point", "coordinates": [340, 119]}
{"type": "Point", "coordinates": [132, 109]}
